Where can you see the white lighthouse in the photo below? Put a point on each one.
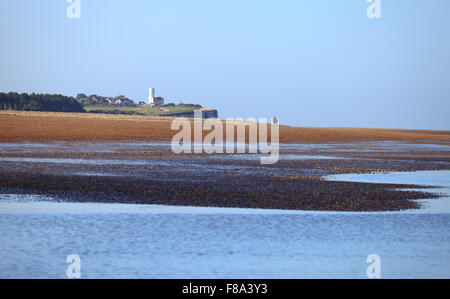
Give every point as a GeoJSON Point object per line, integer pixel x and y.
{"type": "Point", "coordinates": [151, 96]}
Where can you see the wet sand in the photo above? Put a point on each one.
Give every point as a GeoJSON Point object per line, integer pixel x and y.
{"type": "Point", "coordinates": [148, 173]}
{"type": "Point", "coordinates": [117, 159]}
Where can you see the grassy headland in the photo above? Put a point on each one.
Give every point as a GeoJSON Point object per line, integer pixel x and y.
{"type": "Point", "coordinates": [143, 109]}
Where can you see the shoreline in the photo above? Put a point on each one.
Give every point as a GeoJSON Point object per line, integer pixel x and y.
{"type": "Point", "coordinates": [20, 126]}
{"type": "Point", "coordinates": [145, 174]}
{"type": "Point", "coordinates": [93, 166]}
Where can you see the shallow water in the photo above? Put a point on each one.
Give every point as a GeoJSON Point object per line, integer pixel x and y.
{"type": "Point", "coordinates": [135, 241]}
{"type": "Point", "coordinates": [426, 178]}
{"type": "Point", "coordinates": [257, 157]}
{"type": "Point", "coordinates": [191, 245]}
{"type": "Point", "coordinates": [114, 147]}
{"type": "Point", "coordinates": [143, 241]}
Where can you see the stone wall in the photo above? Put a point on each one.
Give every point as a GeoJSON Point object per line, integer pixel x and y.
{"type": "Point", "coordinates": [206, 113]}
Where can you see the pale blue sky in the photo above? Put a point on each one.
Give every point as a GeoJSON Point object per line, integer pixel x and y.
{"type": "Point", "coordinates": [311, 63]}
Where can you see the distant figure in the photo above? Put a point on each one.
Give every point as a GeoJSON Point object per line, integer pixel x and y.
{"type": "Point", "coordinates": [275, 120]}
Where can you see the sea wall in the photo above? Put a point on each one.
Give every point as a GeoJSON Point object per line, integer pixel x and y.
{"type": "Point", "coordinates": [206, 113]}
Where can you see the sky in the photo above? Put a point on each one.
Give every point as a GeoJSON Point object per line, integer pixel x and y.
{"type": "Point", "coordinates": [310, 63]}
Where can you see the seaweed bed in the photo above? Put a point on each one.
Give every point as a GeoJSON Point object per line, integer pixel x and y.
{"type": "Point", "coordinates": [149, 175]}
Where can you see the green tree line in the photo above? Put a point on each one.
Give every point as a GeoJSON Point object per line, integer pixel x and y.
{"type": "Point", "coordinates": [39, 102]}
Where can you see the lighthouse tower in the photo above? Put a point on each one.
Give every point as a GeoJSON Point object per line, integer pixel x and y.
{"type": "Point", "coordinates": [151, 96]}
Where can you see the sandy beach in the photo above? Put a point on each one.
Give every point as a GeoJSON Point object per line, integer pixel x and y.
{"type": "Point", "coordinates": [18, 126]}
{"type": "Point", "coordinates": [120, 159]}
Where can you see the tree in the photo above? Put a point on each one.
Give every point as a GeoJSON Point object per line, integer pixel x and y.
{"type": "Point", "coordinates": [81, 96]}
{"type": "Point", "coordinates": [39, 102]}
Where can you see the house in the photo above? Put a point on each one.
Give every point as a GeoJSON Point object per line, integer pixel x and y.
{"type": "Point", "coordinates": [123, 100]}
{"type": "Point", "coordinates": [158, 101]}
{"type": "Point", "coordinates": [154, 101]}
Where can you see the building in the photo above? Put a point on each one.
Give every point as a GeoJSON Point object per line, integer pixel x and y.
{"type": "Point", "coordinates": [123, 101]}
{"type": "Point", "coordinates": [158, 101]}
{"type": "Point", "coordinates": [151, 96]}
{"type": "Point", "coordinates": [154, 101]}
